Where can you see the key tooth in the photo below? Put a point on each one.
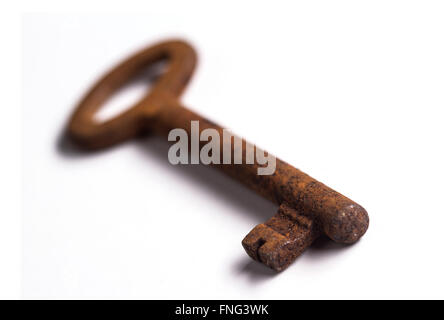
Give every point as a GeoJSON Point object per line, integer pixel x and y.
{"type": "Point", "coordinates": [280, 240]}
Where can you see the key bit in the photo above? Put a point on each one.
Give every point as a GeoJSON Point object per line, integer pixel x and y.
{"type": "Point", "coordinates": [307, 208]}
{"type": "Point", "coordinates": [277, 242]}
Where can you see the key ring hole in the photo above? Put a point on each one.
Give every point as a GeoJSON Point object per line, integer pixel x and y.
{"type": "Point", "coordinates": [130, 93]}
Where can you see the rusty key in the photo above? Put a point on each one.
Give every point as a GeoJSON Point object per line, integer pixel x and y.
{"type": "Point", "coordinates": [307, 208]}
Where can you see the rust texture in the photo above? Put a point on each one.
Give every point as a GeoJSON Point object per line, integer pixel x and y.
{"type": "Point", "coordinates": [307, 208]}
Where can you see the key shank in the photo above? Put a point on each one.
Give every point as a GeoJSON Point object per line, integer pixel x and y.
{"type": "Point", "coordinates": [307, 209]}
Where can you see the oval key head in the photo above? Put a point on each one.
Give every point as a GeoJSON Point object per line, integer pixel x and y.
{"type": "Point", "coordinates": [92, 134]}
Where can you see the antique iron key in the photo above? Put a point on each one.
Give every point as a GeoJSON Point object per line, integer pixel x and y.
{"type": "Point", "coordinates": [307, 208]}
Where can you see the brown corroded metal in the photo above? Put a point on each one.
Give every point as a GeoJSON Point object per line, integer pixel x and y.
{"type": "Point", "coordinates": [307, 208]}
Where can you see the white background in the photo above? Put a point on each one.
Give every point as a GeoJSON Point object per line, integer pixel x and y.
{"type": "Point", "coordinates": [349, 92]}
